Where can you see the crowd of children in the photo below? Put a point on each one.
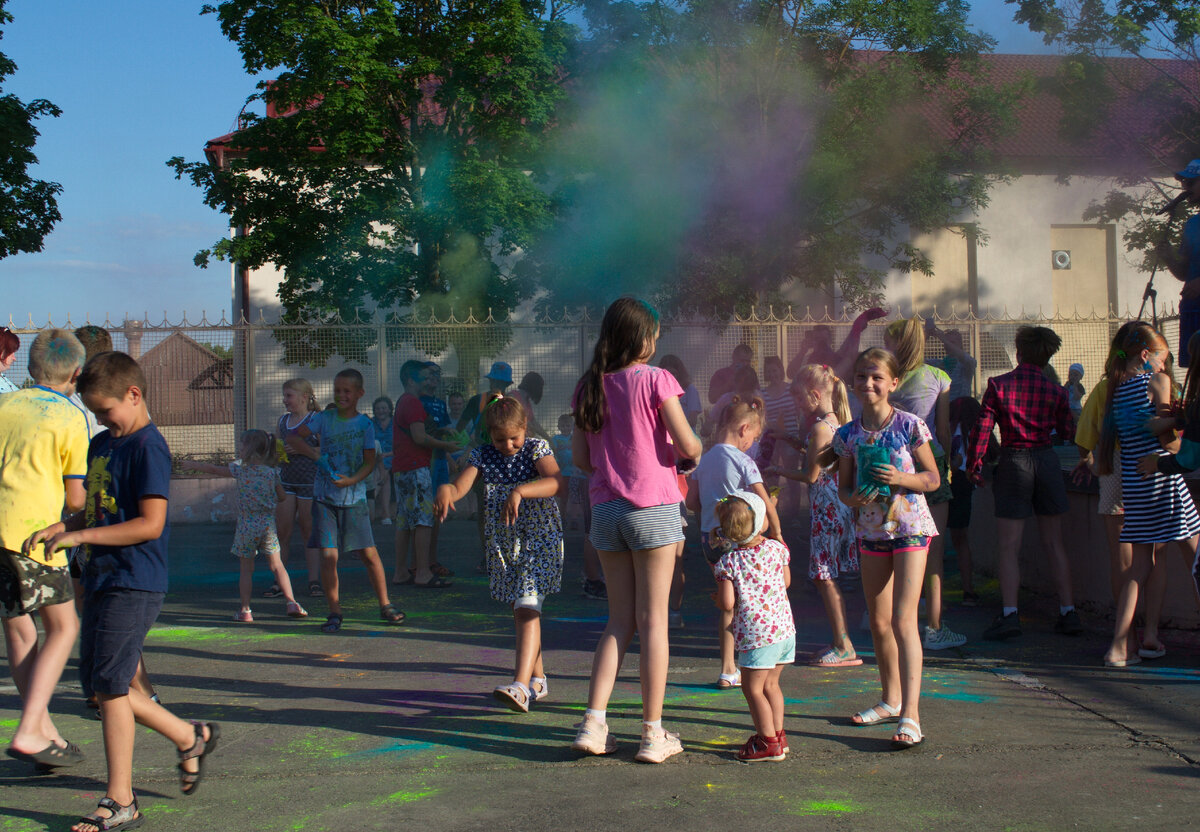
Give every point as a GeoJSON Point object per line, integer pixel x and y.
{"type": "Point", "coordinates": [884, 484]}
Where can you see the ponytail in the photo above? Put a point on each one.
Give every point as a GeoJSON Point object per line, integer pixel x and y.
{"type": "Point", "coordinates": [1130, 340]}
{"type": "Point", "coordinates": [822, 377]}
{"type": "Point", "coordinates": [741, 411]}
{"type": "Point", "coordinates": [629, 329]}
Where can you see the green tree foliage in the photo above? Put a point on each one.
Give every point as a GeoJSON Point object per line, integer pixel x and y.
{"type": "Point", "coordinates": [401, 176]}
{"type": "Point", "coordinates": [1143, 50]}
{"type": "Point", "coordinates": [28, 208]}
{"type": "Point", "coordinates": [724, 150]}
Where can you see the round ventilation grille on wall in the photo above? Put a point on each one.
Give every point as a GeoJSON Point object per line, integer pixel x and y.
{"type": "Point", "coordinates": [1061, 259]}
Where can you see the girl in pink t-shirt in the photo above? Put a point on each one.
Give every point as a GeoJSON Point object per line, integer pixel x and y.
{"type": "Point", "coordinates": [630, 430]}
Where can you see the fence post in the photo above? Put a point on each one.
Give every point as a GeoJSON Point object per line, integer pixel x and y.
{"type": "Point", "coordinates": [978, 391]}
{"type": "Point", "coordinates": [251, 380]}
{"type": "Point", "coordinates": [383, 359]}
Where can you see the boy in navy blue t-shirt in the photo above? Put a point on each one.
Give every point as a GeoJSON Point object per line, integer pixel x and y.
{"type": "Point", "coordinates": [124, 529]}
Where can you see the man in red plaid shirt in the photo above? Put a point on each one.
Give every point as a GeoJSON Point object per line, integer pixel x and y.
{"type": "Point", "coordinates": [1029, 480]}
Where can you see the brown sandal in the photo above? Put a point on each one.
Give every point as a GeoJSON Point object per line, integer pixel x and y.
{"type": "Point", "coordinates": [189, 781]}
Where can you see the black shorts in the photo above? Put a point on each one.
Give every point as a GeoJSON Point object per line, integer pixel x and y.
{"type": "Point", "coordinates": [961, 491]}
{"type": "Point", "coordinates": [115, 623]}
{"type": "Point", "coordinates": [1029, 481]}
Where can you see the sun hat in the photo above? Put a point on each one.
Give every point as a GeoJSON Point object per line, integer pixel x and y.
{"type": "Point", "coordinates": [1192, 171]}
{"type": "Point", "coordinates": [500, 372]}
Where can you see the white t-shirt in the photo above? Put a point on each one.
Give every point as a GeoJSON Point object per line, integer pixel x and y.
{"type": "Point", "coordinates": [722, 470]}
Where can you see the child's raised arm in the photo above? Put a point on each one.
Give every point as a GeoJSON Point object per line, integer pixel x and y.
{"type": "Point", "coordinates": [205, 467]}
{"type": "Point", "coordinates": [451, 493]}
{"type": "Point", "coordinates": [546, 485]}
{"type": "Point", "coordinates": [581, 454]}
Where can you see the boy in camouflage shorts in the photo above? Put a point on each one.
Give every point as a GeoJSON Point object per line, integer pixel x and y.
{"type": "Point", "coordinates": [43, 442]}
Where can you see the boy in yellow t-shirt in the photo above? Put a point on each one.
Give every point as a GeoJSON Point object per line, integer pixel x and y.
{"type": "Point", "coordinates": [43, 462]}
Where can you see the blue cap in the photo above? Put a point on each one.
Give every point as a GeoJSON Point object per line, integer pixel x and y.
{"type": "Point", "coordinates": [1192, 171]}
{"type": "Point", "coordinates": [500, 372]}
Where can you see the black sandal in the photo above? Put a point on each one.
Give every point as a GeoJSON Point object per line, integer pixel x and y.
{"type": "Point", "coordinates": [392, 614]}
{"type": "Point", "coordinates": [189, 781]}
{"type": "Point", "coordinates": [122, 817]}
{"type": "Point", "coordinates": [332, 624]}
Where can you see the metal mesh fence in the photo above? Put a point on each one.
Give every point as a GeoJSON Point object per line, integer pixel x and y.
{"type": "Point", "coordinates": [206, 383]}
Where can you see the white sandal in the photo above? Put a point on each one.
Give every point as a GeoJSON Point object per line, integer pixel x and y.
{"type": "Point", "coordinates": [871, 715]}
{"type": "Point", "coordinates": [908, 734]}
{"type": "Point", "coordinates": [534, 692]}
{"type": "Point", "coordinates": [729, 681]}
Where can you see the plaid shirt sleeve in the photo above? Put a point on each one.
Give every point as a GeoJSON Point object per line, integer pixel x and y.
{"type": "Point", "coordinates": [982, 431]}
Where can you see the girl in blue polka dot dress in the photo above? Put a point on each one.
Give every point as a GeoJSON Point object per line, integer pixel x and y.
{"type": "Point", "coordinates": [523, 533]}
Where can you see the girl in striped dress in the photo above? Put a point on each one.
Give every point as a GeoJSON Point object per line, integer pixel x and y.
{"type": "Point", "coordinates": [1158, 509]}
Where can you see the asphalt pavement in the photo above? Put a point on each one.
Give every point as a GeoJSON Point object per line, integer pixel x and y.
{"type": "Point", "coordinates": [393, 727]}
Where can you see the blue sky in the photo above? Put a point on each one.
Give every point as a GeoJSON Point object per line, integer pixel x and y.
{"type": "Point", "coordinates": [140, 81]}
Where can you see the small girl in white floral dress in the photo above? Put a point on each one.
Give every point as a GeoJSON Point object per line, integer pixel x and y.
{"type": "Point", "coordinates": [522, 530]}
{"type": "Point", "coordinates": [752, 582]}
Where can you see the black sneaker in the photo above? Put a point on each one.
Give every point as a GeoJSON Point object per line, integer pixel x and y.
{"type": "Point", "coordinates": [596, 590]}
{"type": "Point", "coordinates": [1069, 624]}
{"type": "Point", "coordinates": [1005, 626]}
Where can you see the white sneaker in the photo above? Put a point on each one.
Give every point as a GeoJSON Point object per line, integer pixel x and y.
{"type": "Point", "coordinates": [657, 745]}
{"type": "Point", "coordinates": [593, 737]}
{"type": "Point", "coordinates": [943, 639]}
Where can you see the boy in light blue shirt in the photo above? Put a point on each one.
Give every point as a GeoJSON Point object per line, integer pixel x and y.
{"type": "Point", "coordinates": [341, 519]}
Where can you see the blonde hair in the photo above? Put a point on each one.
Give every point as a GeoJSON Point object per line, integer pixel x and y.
{"type": "Point", "coordinates": [908, 335]}
{"type": "Point", "coordinates": [54, 356]}
{"type": "Point", "coordinates": [304, 387]}
{"type": "Point", "coordinates": [258, 448]}
{"type": "Point", "coordinates": [822, 377]}
{"type": "Point", "coordinates": [741, 411]}
{"type": "Point", "coordinates": [736, 519]}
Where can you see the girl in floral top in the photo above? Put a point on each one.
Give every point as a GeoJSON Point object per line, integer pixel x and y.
{"type": "Point", "coordinates": [885, 470]}
{"type": "Point", "coordinates": [752, 582]}
{"type": "Point", "coordinates": [258, 493]}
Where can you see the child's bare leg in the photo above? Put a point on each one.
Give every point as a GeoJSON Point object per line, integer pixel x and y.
{"type": "Point", "coordinates": [725, 638]}
{"type": "Point", "coordinates": [877, 587]}
{"type": "Point", "coordinates": [141, 679]}
{"type": "Point", "coordinates": [677, 579]}
{"type": "Point", "coordinates": [1050, 530]}
{"type": "Point", "coordinates": [281, 576]}
{"type": "Point", "coordinates": [312, 557]}
{"type": "Point", "coordinates": [934, 567]}
{"type": "Point", "coordinates": [652, 569]}
{"type": "Point", "coordinates": [1156, 593]}
{"type": "Point", "coordinates": [1133, 580]}
{"type": "Point", "coordinates": [422, 535]}
{"type": "Point", "coordinates": [753, 685]}
{"type": "Point", "coordinates": [402, 573]}
{"type": "Point", "coordinates": [36, 730]}
{"type": "Point", "coordinates": [906, 587]}
{"type": "Point", "coordinates": [966, 560]}
{"type": "Point", "coordinates": [21, 639]}
{"type": "Point", "coordinates": [835, 611]}
{"type": "Point", "coordinates": [1188, 549]}
{"type": "Point", "coordinates": [1120, 557]}
{"type": "Point", "coordinates": [774, 695]}
{"type": "Point", "coordinates": [370, 559]}
{"type": "Point", "coordinates": [285, 516]}
{"type": "Point", "coordinates": [329, 580]}
{"type": "Point", "coordinates": [245, 581]}
{"type": "Point", "coordinates": [529, 644]}
{"type": "Point", "coordinates": [618, 632]}
{"type": "Point", "coordinates": [154, 716]}
{"type": "Point", "coordinates": [591, 562]}
{"type": "Point", "coordinates": [117, 724]}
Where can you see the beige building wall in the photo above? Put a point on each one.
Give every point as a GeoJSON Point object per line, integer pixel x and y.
{"type": "Point", "coordinates": [949, 291]}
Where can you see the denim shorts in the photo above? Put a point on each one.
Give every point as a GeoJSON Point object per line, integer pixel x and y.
{"type": "Point", "coordinates": [300, 492]}
{"type": "Point", "coordinates": [345, 528]}
{"type": "Point", "coordinates": [115, 623]}
{"type": "Point", "coordinates": [884, 548]}
{"type": "Point", "coordinates": [768, 656]}
{"type": "Point", "coordinates": [620, 526]}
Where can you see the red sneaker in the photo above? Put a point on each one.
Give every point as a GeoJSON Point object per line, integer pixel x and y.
{"type": "Point", "coordinates": [782, 737]}
{"type": "Point", "coordinates": [759, 748]}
